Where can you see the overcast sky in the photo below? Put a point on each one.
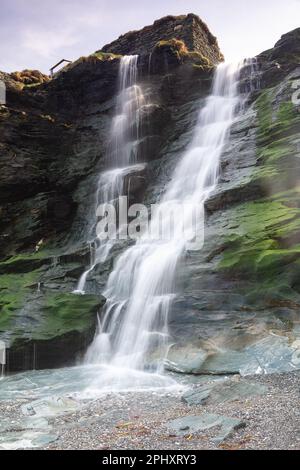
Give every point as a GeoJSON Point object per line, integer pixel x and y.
{"type": "Point", "coordinates": [36, 34]}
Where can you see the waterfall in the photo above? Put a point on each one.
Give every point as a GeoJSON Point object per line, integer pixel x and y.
{"type": "Point", "coordinates": [121, 156]}
{"type": "Point", "coordinates": [140, 290]}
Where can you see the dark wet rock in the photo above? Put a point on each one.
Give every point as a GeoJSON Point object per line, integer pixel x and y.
{"type": "Point", "coordinates": [283, 58]}
{"type": "Point", "coordinates": [155, 118]}
{"type": "Point", "coordinates": [135, 181]}
{"type": "Point", "coordinates": [149, 148]}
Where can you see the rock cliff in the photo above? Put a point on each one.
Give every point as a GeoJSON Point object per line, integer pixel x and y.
{"type": "Point", "coordinates": [240, 288]}
{"type": "Point", "coordinates": [188, 28]}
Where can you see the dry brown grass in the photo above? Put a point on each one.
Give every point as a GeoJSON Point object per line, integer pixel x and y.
{"type": "Point", "coordinates": [30, 77]}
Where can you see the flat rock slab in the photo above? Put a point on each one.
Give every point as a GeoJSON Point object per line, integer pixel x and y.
{"type": "Point", "coordinates": [223, 391]}
{"type": "Point", "coordinates": [185, 360]}
{"type": "Point", "coordinates": [51, 406]}
{"type": "Point", "coordinates": [272, 354]}
{"type": "Point", "coordinates": [205, 422]}
{"type": "Point", "coordinates": [26, 440]}
{"type": "Point", "coordinates": [30, 432]}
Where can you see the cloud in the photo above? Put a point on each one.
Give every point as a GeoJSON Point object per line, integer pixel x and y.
{"type": "Point", "coordinates": [46, 43]}
{"type": "Point", "coordinates": [36, 34]}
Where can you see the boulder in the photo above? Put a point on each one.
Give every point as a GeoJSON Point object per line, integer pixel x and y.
{"type": "Point", "coordinates": [223, 391]}
{"type": "Point", "coordinates": [189, 425]}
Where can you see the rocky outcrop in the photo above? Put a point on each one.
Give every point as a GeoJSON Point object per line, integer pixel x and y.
{"type": "Point", "coordinates": [53, 139]}
{"type": "Point", "coordinates": [188, 28]}
{"type": "Point", "coordinates": [240, 295]}
{"type": "Point", "coordinates": [283, 58]}
{"type": "Point", "coordinates": [30, 77]}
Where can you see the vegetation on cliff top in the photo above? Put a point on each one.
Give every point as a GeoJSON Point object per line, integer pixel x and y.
{"type": "Point", "coordinates": [179, 48]}
{"type": "Point", "coordinates": [93, 59]}
{"type": "Point", "coordinates": [30, 78]}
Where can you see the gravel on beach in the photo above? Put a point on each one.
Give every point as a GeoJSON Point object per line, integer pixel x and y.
{"type": "Point", "coordinates": [140, 420]}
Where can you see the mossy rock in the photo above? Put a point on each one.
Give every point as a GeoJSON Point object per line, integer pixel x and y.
{"type": "Point", "coordinates": [59, 328]}
{"type": "Point", "coordinates": [105, 56]}
{"type": "Point", "coordinates": [23, 263]}
{"type": "Point", "coordinates": [263, 247]}
{"type": "Point", "coordinates": [65, 312]}
{"type": "Point", "coordinates": [174, 44]}
{"type": "Point", "coordinates": [178, 48]}
{"type": "Point", "coordinates": [92, 59]}
{"type": "Point", "coordinates": [14, 289]}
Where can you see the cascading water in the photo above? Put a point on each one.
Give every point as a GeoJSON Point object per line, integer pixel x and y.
{"type": "Point", "coordinates": [121, 157]}
{"type": "Point", "coordinates": [133, 332]}
{"type": "Point", "coordinates": [140, 290]}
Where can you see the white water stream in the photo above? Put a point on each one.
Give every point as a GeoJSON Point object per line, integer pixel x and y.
{"type": "Point", "coordinates": [121, 157]}
{"type": "Point", "coordinates": [140, 290]}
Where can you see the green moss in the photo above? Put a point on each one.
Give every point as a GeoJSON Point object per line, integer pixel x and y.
{"type": "Point", "coordinates": [178, 47]}
{"type": "Point", "coordinates": [52, 313]}
{"type": "Point", "coordinates": [275, 122]}
{"type": "Point", "coordinates": [93, 59]}
{"type": "Point", "coordinates": [255, 245]}
{"type": "Point", "coordinates": [105, 56]}
{"type": "Point", "coordinates": [264, 174]}
{"type": "Point", "coordinates": [262, 243]}
{"type": "Point", "coordinates": [264, 249]}
{"type": "Point", "coordinates": [65, 312]}
{"type": "Point", "coordinates": [23, 262]}
{"type": "Point", "coordinates": [14, 289]}
{"type": "Point", "coordinates": [174, 44]}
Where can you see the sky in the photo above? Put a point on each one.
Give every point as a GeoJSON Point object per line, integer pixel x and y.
{"type": "Point", "coordinates": [36, 34]}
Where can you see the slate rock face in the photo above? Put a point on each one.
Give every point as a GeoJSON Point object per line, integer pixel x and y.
{"type": "Point", "coordinates": [283, 58]}
{"type": "Point", "coordinates": [235, 294]}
